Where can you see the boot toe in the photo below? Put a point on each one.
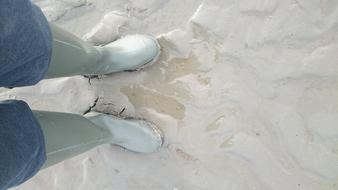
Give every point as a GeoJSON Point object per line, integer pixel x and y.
{"type": "Point", "coordinates": [148, 138]}
{"type": "Point", "coordinates": [133, 134]}
{"type": "Point", "coordinates": [132, 52]}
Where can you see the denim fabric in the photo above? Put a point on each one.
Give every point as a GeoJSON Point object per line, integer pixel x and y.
{"type": "Point", "coordinates": [25, 53]}
{"type": "Point", "coordinates": [22, 147]}
{"type": "Point", "coordinates": [25, 43]}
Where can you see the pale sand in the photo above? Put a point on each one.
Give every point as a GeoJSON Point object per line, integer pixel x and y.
{"type": "Point", "coordinates": [246, 92]}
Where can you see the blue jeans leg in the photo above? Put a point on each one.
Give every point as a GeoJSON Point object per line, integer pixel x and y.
{"type": "Point", "coordinates": [25, 43]}
{"type": "Point", "coordinates": [25, 53]}
{"type": "Point", "coordinates": [22, 146]}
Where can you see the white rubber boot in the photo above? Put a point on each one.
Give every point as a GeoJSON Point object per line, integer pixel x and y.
{"type": "Point", "coordinates": [67, 135]}
{"type": "Point", "coordinates": [131, 52]}
{"type": "Point", "coordinates": [132, 134]}
{"type": "Point", "coordinates": [73, 56]}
